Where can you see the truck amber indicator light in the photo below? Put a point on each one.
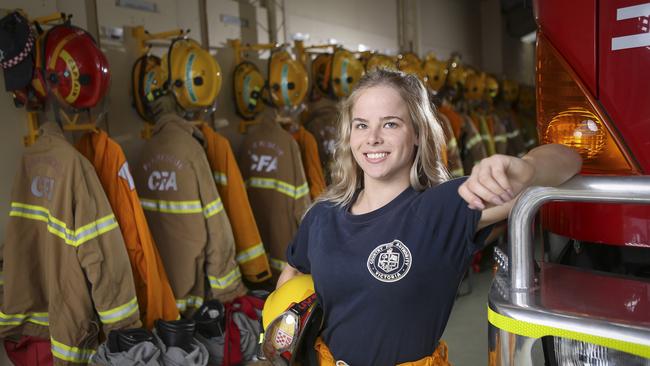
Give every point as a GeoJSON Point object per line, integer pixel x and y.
{"type": "Point", "coordinates": [567, 114]}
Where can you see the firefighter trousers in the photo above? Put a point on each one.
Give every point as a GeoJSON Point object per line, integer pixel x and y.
{"type": "Point", "coordinates": [440, 357]}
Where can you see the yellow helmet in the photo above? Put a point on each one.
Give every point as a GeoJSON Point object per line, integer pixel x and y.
{"type": "Point", "coordinates": [321, 72]}
{"type": "Point", "coordinates": [288, 81]}
{"type": "Point", "coordinates": [248, 84]}
{"type": "Point", "coordinates": [475, 86]}
{"type": "Point", "coordinates": [410, 63]}
{"type": "Point", "coordinates": [193, 75]}
{"type": "Point", "coordinates": [379, 61]}
{"type": "Point", "coordinates": [436, 72]}
{"type": "Point", "coordinates": [147, 78]}
{"type": "Point", "coordinates": [346, 72]}
{"type": "Point", "coordinates": [491, 88]}
{"type": "Point", "coordinates": [510, 90]}
{"type": "Point", "coordinates": [291, 319]}
{"type": "Point", "coordinates": [456, 75]}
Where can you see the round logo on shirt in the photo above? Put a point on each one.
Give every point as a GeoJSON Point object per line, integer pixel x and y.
{"type": "Point", "coordinates": [390, 262]}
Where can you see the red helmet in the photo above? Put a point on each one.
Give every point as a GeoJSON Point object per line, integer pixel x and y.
{"type": "Point", "coordinates": [76, 70]}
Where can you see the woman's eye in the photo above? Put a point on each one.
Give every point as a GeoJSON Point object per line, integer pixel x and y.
{"type": "Point", "coordinates": [390, 124]}
{"type": "Point", "coordinates": [360, 126]}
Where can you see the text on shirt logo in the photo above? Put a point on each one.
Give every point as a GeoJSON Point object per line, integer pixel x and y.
{"type": "Point", "coordinates": [390, 262]}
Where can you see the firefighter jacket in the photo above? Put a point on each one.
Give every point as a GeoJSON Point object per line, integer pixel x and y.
{"type": "Point", "coordinates": [310, 161]}
{"type": "Point", "coordinates": [186, 216]}
{"type": "Point", "coordinates": [452, 155]}
{"type": "Point", "coordinates": [484, 127]}
{"type": "Point", "coordinates": [66, 270]}
{"type": "Point", "coordinates": [499, 133]}
{"type": "Point", "coordinates": [321, 122]}
{"type": "Point", "coordinates": [270, 162]}
{"type": "Point", "coordinates": [471, 145]}
{"type": "Point", "coordinates": [155, 295]}
{"type": "Point", "coordinates": [516, 143]}
{"type": "Point", "coordinates": [251, 256]}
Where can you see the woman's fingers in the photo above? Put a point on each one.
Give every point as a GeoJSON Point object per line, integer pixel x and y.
{"type": "Point", "coordinates": [473, 201]}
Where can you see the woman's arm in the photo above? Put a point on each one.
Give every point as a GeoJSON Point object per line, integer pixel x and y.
{"type": "Point", "coordinates": [287, 273]}
{"type": "Point", "coordinates": [497, 180]}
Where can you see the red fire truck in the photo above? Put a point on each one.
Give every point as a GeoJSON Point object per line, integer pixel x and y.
{"type": "Point", "coordinates": [586, 300]}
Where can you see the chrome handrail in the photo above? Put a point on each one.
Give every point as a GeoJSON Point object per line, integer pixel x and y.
{"type": "Point", "coordinates": [605, 189]}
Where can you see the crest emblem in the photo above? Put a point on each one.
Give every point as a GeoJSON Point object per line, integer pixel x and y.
{"type": "Point", "coordinates": [390, 262]}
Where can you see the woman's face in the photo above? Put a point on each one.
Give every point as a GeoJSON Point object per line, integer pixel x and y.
{"type": "Point", "coordinates": [382, 136]}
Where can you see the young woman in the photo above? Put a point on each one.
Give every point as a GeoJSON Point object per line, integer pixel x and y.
{"type": "Point", "coordinates": [387, 245]}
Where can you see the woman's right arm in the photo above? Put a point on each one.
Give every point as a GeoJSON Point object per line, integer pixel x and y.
{"type": "Point", "coordinates": [287, 273]}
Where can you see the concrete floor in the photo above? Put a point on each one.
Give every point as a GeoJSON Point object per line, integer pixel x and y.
{"type": "Point", "coordinates": [466, 332]}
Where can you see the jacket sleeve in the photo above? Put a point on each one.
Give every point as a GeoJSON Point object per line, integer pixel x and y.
{"type": "Point", "coordinates": [102, 255]}
{"type": "Point", "coordinates": [301, 198]}
{"type": "Point", "coordinates": [251, 254]}
{"type": "Point", "coordinates": [313, 166]}
{"type": "Point", "coordinates": [222, 270]}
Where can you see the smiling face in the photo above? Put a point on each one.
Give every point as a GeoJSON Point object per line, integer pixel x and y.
{"type": "Point", "coordinates": [382, 136]}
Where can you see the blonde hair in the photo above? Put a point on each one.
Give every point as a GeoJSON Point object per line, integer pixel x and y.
{"type": "Point", "coordinates": [427, 170]}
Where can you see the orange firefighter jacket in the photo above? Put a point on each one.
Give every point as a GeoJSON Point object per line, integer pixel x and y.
{"type": "Point", "coordinates": [310, 161]}
{"type": "Point", "coordinates": [155, 295]}
{"type": "Point", "coordinates": [66, 270]}
{"type": "Point", "coordinates": [186, 216]}
{"type": "Point", "coordinates": [270, 162]}
{"type": "Point", "coordinates": [251, 255]}
{"type": "Point", "coordinates": [452, 154]}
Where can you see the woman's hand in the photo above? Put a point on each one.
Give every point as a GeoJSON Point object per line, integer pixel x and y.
{"type": "Point", "coordinates": [496, 180]}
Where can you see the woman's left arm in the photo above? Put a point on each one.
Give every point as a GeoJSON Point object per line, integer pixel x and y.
{"type": "Point", "coordinates": [497, 180]}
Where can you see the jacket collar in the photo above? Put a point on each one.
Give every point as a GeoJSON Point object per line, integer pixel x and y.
{"type": "Point", "coordinates": [174, 121]}
{"type": "Point", "coordinates": [51, 129]}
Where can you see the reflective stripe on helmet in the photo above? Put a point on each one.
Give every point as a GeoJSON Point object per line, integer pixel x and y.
{"type": "Point", "coordinates": [285, 85]}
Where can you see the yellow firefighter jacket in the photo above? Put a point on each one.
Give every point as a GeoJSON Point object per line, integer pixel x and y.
{"type": "Point", "coordinates": [66, 270]}
{"type": "Point", "coordinates": [270, 162]}
{"type": "Point", "coordinates": [251, 255]}
{"type": "Point", "coordinates": [186, 215]}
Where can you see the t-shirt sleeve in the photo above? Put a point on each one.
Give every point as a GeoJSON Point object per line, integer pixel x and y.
{"type": "Point", "coordinates": [298, 249]}
{"type": "Point", "coordinates": [453, 222]}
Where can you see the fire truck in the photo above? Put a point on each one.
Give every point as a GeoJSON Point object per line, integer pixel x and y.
{"type": "Point", "coordinates": [582, 295]}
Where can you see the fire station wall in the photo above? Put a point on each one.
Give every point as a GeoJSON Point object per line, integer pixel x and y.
{"type": "Point", "coordinates": [448, 26]}
{"type": "Point", "coordinates": [367, 23]}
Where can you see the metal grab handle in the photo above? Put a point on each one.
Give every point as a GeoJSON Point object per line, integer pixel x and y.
{"type": "Point", "coordinates": [605, 189]}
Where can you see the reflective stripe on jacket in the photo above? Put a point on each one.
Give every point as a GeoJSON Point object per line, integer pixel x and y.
{"type": "Point", "coordinates": [155, 296]}
{"type": "Point", "coordinates": [186, 215]}
{"type": "Point", "coordinates": [63, 234]}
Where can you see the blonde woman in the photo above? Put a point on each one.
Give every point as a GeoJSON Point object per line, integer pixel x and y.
{"type": "Point", "coordinates": [388, 243]}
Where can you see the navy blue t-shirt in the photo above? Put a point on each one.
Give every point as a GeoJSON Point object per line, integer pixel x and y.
{"type": "Point", "coordinates": [387, 279]}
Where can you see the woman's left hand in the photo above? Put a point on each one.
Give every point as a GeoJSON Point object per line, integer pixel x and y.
{"type": "Point", "coordinates": [496, 180]}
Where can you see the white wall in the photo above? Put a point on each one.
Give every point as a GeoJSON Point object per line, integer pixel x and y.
{"type": "Point", "coordinates": [372, 23]}
{"type": "Point", "coordinates": [451, 25]}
